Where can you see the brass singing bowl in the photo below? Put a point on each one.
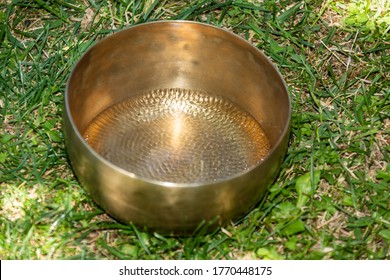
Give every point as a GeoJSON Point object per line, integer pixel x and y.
{"type": "Point", "coordinates": [172, 124]}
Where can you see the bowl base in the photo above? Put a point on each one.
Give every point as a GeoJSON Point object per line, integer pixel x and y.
{"type": "Point", "coordinates": [179, 136]}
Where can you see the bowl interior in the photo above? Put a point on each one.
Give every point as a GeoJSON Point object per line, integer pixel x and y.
{"type": "Point", "coordinates": [178, 102]}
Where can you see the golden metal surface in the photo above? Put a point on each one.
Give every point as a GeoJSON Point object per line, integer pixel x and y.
{"type": "Point", "coordinates": [157, 70]}
{"type": "Point", "coordinates": [178, 136]}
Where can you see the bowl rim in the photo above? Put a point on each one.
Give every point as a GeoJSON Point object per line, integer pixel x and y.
{"type": "Point", "coordinates": [68, 115]}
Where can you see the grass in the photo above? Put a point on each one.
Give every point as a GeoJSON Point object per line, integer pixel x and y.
{"type": "Point", "coordinates": [331, 198]}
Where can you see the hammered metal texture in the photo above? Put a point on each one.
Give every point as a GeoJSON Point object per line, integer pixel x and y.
{"type": "Point", "coordinates": [178, 135]}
